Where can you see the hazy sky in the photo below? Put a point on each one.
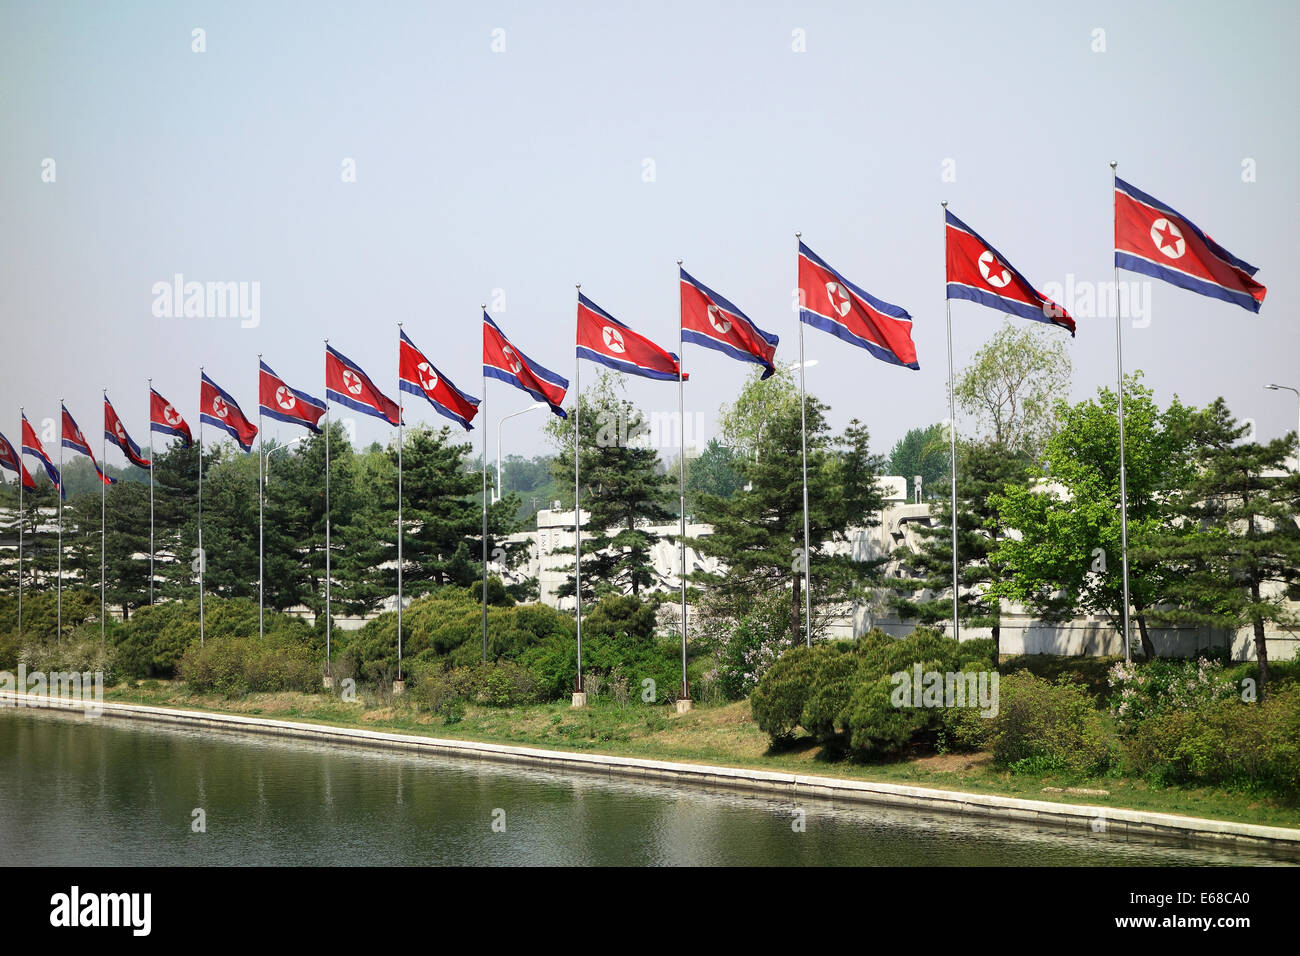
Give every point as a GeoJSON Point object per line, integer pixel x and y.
{"type": "Point", "coordinates": [526, 170]}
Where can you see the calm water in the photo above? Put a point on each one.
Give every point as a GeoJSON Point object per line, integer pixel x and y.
{"type": "Point", "coordinates": [99, 792]}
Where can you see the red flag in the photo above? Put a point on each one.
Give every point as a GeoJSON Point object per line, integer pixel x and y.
{"type": "Point", "coordinates": [164, 418]}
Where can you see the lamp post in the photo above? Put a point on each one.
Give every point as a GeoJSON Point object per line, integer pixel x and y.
{"type": "Point", "coordinates": [531, 408]}
{"type": "Point", "coordinates": [266, 459]}
{"type": "Point", "coordinates": [1275, 388]}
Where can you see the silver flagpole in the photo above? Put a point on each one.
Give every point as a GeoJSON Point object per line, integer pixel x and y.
{"type": "Point", "coordinates": [328, 616]}
{"type": "Point", "coordinates": [803, 436]}
{"type": "Point", "coordinates": [59, 489]}
{"type": "Point", "coordinates": [203, 555]}
{"type": "Point", "coordinates": [103, 522]}
{"type": "Point", "coordinates": [482, 407]}
{"type": "Point", "coordinates": [1123, 477]}
{"type": "Point", "coordinates": [577, 504]}
{"type": "Point", "coordinates": [952, 446]}
{"type": "Point", "coordinates": [22, 517]}
{"type": "Point", "coordinates": [261, 505]}
{"type": "Point", "coordinates": [681, 471]}
{"type": "Point", "coordinates": [400, 422]}
{"type": "Point", "coordinates": [150, 492]}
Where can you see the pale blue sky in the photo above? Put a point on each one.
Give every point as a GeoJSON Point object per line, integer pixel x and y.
{"type": "Point", "coordinates": [523, 171]}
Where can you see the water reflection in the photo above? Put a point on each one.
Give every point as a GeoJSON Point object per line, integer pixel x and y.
{"type": "Point", "coordinates": [113, 792]}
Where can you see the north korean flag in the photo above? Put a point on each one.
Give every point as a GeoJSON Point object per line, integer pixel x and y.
{"type": "Point", "coordinates": [829, 302]}
{"type": "Point", "coordinates": [115, 432]}
{"type": "Point", "coordinates": [604, 339]}
{"type": "Point", "coordinates": [979, 273]}
{"type": "Point", "coordinates": [11, 460]}
{"type": "Point", "coordinates": [73, 439]}
{"type": "Point", "coordinates": [503, 361]}
{"type": "Point", "coordinates": [277, 400]}
{"type": "Point", "coordinates": [346, 384]}
{"type": "Point", "coordinates": [1153, 239]}
{"type": "Point", "coordinates": [217, 407]}
{"type": "Point", "coordinates": [164, 418]}
{"type": "Point", "coordinates": [417, 375]}
{"type": "Point", "coordinates": [32, 446]}
{"type": "Point", "coordinates": [710, 320]}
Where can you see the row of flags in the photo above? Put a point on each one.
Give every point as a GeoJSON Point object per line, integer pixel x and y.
{"type": "Point", "coordinates": [1151, 238]}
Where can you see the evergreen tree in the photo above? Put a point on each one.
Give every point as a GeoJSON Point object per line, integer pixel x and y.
{"type": "Point", "coordinates": [759, 533]}
{"type": "Point", "coordinates": [623, 489]}
{"type": "Point", "coordinates": [1242, 559]}
{"type": "Point", "coordinates": [984, 470]}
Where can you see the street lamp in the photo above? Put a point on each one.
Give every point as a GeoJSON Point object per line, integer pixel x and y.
{"type": "Point", "coordinates": [523, 411]}
{"type": "Point", "coordinates": [1274, 388]}
{"type": "Point", "coordinates": [266, 459]}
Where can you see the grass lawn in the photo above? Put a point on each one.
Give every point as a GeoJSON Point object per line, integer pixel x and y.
{"type": "Point", "coordinates": [724, 735]}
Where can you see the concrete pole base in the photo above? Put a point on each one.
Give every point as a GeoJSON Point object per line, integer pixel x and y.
{"type": "Point", "coordinates": [399, 688]}
{"type": "Point", "coordinates": [580, 699]}
{"type": "Point", "coordinates": [684, 704]}
{"type": "Point", "coordinates": [327, 682]}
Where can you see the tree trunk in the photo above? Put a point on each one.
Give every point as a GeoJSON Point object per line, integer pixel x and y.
{"type": "Point", "coordinates": [1148, 648]}
{"type": "Point", "coordinates": [997, 645]}
{"type": "Point", "coordinates": [1261, 645]}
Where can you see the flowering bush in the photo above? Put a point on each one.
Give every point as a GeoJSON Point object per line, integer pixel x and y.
{"type": "Point", "coordinates": [750, 647]}
{"type": "Point", "coordinates": [1140, 691]}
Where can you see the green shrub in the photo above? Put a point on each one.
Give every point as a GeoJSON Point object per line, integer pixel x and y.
{"type": "Point", "coordinates": [234, 666]}
{"type": "Point", "coordinates": [1139, 691]}
{"type": "Point", "coordinates": [744, 649]}
{"type": "Point", "coordinates": [1049, 726]}
{"type": "Point", "coordinates": [1223, 742]}
{"type": "Point", "coordinates": [153, 641]}
{"type": "Point", "coordinates": [80, 651]}
{"type": "Point", "coordinates": [494, 684]}
{"type": "Point", "coordinates": [778, 701]}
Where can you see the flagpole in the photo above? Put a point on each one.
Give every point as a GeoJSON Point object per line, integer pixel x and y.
{"type": "Point", "coordinates": [261, 505]}
{"type": "Point", "coordinates": [681, 471]}
{"type": "Point", "coordinates": [803, 437]}
{"type": "Point", "coordinates": [577, 506]}
{"type": "Point", "coordinates": [103, 522]}
{"type": "Point", "coordinates": [952, 449]}
{"type": "Point", "coordinates": [483, 407]}
{"type": "Point", "coordinates": [59, 489]}
{"type": "Point", "coordinates": [1123, 477]}
{"type": "Point", "coordinates": [21, 516]}
{"type": "Point", "coordinates": [203, 557]}
{"type": "Point", "coordinates": [328, 677]}
{"type": "Point", "coordinates": [400, 422]}
{"type": "Point", "coordinates": [150, 492]}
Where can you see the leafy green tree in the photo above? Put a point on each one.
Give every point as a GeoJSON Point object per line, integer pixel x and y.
{"type": "Point", "coordinates": [1242, 559]}
{"type": "Point", "coordinates": [1067, 555]}
{"type": "Point", "coordinates": [744, 422]}
{"type": "Point", "coordinates": [623, 489]}
{"type": "Point", "coordinates": [1013, 383]}
{"type": "Point", "coordinates": [983, 471]}
{"type": "Point", "coordinates": [925, 452]}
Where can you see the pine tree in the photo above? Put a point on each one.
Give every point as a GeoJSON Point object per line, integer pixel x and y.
{"type": "Point", "coordinates": [1242, 560]}
{"type": "Point", "coordinates": [984, 469]}
{"type": "Point", "coordinates": [623, 489]}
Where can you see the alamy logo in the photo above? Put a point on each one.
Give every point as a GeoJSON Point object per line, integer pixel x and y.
{"type": "Point", "coordinates": [946, 689]}
{"type": "Point", "coordinates": [63, 686]}
{"type": "Point", "coordinates": [179, 299]}
{"type": "Point", "coordinates": [73, 909]}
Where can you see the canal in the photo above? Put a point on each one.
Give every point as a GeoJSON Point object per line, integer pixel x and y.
{"type": "Point", "coordinates": [117, 792]}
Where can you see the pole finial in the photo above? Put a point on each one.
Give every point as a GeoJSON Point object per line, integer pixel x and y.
{"type": "Point", "coordinates": [798, 235]}
{"type": "Point", "coordinates": [1113, 164]}
{"type": "Point", "coordinates": [483, 306]}
{"type": "Point", "coordinates": [944, 204]}
{"type": "Point", "coordinates": [679, 263]}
